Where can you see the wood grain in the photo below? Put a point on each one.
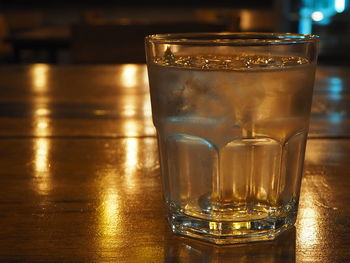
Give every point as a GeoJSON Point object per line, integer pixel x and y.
{"type": "Point", "coordinates": [80, 182]}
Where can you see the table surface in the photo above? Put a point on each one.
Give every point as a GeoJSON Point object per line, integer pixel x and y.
{"type": "Point", "coordinates": [79, 177]}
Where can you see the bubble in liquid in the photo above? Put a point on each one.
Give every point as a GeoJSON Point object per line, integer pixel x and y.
{"type": "Point", "coordinates": [234, 62]}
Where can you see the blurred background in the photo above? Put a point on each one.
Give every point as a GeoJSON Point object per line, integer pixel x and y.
{"type": "Point", "coordinates": [106, 31]}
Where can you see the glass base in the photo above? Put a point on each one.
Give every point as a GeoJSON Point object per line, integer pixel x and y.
{"type": "Point", "coordinates": [230, 232]}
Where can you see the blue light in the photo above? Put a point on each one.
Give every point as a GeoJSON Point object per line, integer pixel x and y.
{"type": "Point", "coordinates": [339, 6]}
{"type": "Point", "coordinates": [335, 88]}
{"type": "Point", "coordinates": [336, 117]}
{"type": "Point", "coordinates": [305, 24]}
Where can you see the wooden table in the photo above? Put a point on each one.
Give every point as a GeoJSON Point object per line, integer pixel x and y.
{"type": "Point", "coordinates": [79, 177]}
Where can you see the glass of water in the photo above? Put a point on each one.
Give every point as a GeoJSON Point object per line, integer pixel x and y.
{"type": "Point", "coordinates": [232, 114]}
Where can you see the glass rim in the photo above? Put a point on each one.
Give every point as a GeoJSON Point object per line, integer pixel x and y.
{"type": "Point", "coordinates": [231, 38]}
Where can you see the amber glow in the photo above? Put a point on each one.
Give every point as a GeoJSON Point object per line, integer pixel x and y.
{"type": "Point", "coordinates": [39, 74]}
{"type": "Point", "coordinates": [308, 230]}
{"type": "Point", "coordinates": [41, 129]}
{"type": "Point", "coordinates": [145, 77]}
{"type": "Point", "coordinates": [131, 128]}
{"type": "Point", "coordinates": [129, 75]}
{"type": "Point", "coordinates": [129, 106]}
{"type": "Point", "coordinates": [110, 224]}
{"type": "Point", "coordinates": [42, 112]}
{"type": "Point", "coordinates": [131, 148]}
{"type": "Point", "coordinates": [41, 148]}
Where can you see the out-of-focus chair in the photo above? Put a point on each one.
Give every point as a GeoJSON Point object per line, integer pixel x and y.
{"type": "Point", "coordinates": [124, 43]}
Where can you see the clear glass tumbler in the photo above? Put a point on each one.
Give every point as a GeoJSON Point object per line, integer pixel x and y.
{"type": "Point", "coordinates": [232, 114]}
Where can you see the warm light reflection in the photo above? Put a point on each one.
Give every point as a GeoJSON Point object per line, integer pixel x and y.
{"type": "Point", "coordinates": [308, 230]}
{"type": "Point", "coordinates": [41, 149]}
{"type": "Point", "coordinates": [42, 112]}
{"type": "Point", "coordinates": [129, 75]}
{"type": "Point", "coordinates": [110, 215]}
{"type": "Point", "coordinates": [41, 126]}
{"type": "Point", "coordinates": [41, 155]}
{"type": "Point", "coordinates": [129, 106]}
{"type": "Point", "coordinates": [39, 74]}
{"type": "Point", "coordinates": [131, 149]}
{"type": "Point", "coordinates": [131, 128]}
{"type": "Point", "coordinates": [149, 127]}
{"type": "Point", "coordinates": [147, 113]}
{"type": "Point", "coordinates": [147, 109]}
{"type": "Point", "coordinates": [42, 165]}
{"type": "Point", "coordinates": [145, 77]}
{"type": "Point", "coordinates": [131, 162]}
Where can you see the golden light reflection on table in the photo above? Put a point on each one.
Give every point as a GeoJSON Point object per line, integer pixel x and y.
{"type": "Point", "coordinates": [41, 129]}
{"type": "Point", "coordinates": [131, 150]}
{"type": "Point", "coordinates": [41, 148]}
{"type": "Point", "coordinates": [308, 230]}
{"type": "Point", "coordinates": [115, 186]}
{"type": "Point", "coordinates": [129, 75]}
{"type": "Point", "coordinates": [131, 128]}
{"type": "Point", "coordinates": [110, 225]}
{"type": "Point", "coordinates": [129, 106]}
{"type": "Point", "coordinates": [39, 74]}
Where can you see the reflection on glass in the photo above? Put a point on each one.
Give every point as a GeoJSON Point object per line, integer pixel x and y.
{"type": "Point", "coordinates": [150, 155]}
{"type": "Point", "coordinates": [189, 250]}
{"type": "Point", "coordinates": [129, 75]}
{"type": "Point", "coordinates": [147, 112]}
{"type": "Point", "coordinates": [39, 74]}
{"type": "Point", "coordinates": [147, 109]}
{"type": "Point", "coordinates": [145, 77]}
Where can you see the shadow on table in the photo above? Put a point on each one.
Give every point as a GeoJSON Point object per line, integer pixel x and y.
{"type": "Point", "coordinates": [282, 249]}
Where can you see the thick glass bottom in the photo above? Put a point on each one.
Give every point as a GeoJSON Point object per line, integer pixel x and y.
{"type": "Point", "coordinates": [231, 232]}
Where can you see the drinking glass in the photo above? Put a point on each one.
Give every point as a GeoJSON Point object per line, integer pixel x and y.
{"type": "Point", "coordinates": [231, 112]}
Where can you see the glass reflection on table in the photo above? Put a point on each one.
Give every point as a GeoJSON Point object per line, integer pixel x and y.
{"type": "Point", "coordinates": [282, 249]}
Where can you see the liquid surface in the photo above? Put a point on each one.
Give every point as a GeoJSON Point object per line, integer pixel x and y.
{"type": "Point", "coordinates": [232, 133]}
{"type": "Point", "coordinates": [234, 62]}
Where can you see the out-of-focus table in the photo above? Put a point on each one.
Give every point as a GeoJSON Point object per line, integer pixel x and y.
{"type": "Point", "coordinates": [79, 177]}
